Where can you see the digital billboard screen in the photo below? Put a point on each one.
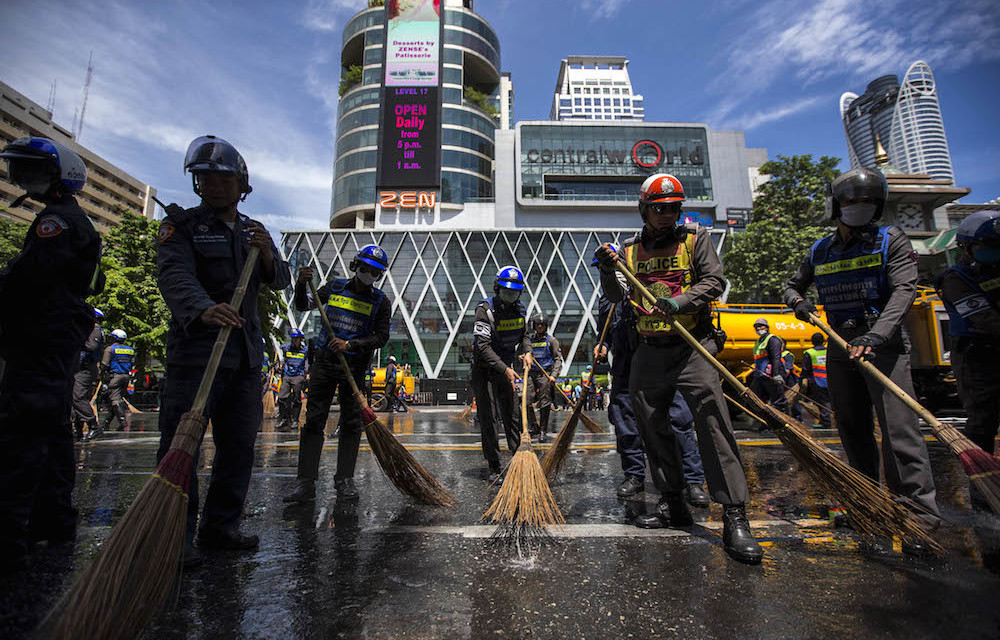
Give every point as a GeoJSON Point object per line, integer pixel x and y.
{"type": "Point", "coordinates": [410, 127]}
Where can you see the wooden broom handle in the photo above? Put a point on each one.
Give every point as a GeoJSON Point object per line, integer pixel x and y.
{"type": "Point", "coordinates": [681, 331]}
{"type": "Point", "coordinates": [340, 355]}
{"type": "Point", "coordinates": [201, 398]}
{"type": "Point", "coordinates": [524, 404]}
{"type": "Point", "coordinates": [604, 332]}
{"type": "Point", "coordinates": [927, 416]}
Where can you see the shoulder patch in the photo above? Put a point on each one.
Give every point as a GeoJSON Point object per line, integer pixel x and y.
{"type": "Point", "coordinates": [166, 230]}
{"type": "Point", "coordinates": [913, 255]}
{"type": "Point", "coordinates": [50, 225]}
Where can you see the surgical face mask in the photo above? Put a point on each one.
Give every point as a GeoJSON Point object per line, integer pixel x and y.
{"type": "Point", "coordinates": [509, 296]}
{"type": "Point", "coordinates": [858, 214]}
{"type": "Point", "coordinates": [761, 331]}
{"type": "Point", "coordinates": [987, 255]}
{"type": "Point", "coordinates": [365, 277]}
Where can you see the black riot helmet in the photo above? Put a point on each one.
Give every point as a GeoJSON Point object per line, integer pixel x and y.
{"type": "Point", "coordinates": [539, 318]}
{"type": "Point", "coordinates": [857, 197]}
{"type": "Point", "coordinates": [209, 154]}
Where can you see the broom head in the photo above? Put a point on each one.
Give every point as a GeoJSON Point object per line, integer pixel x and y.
{"type": "Point", "coordinates": [464, 414]}
{"type": "Point", "coordinates": [589, 423]}
{"type": "Point", "coordinates": [132, 577]}
{"type": "Point", "coordinates": [871, 508]}
{"type": "Point", "coordinates": [399, 465]}
{"type": "Point", "coordinates": [524, 504]}
{"type": "Point", "coordinates": [984, 472]}
{"type": "Point", "coordinates": [554, 458]}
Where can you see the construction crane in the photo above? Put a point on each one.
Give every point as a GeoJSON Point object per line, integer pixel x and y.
{"type": "Point", "coordinates": [51, 104]}
{"type": "Point", "coordinates": [78, 122]}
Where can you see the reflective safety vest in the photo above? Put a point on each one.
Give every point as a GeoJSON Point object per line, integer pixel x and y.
{"type": "Point", "coordinates": [390, 374]}
{"type": "Point", "coordinates": [788, 359]}
{"type": "Point", "coordinates": [985, 299]}
{"type": "Point", "coordinates": [352, 315]}
{"type": "Point", "coordinates": [666, 272]}
{"type": "Point", "coordinates": [851, 283]}
{"type": "Point", "coordinates": [508, 328]}
{"type": "Point", "coordinates": [542, 352]}
{"type": "Point", "coordinates": [122, 357]}
{"type": "Point", "coordinates": [817, 359]}
{"type": "Point", "coordinates": [761, 363]}
{"type": "Point", "coordinates": [265, 363]}
{"type": "Point", "coordinates": [295, 361]}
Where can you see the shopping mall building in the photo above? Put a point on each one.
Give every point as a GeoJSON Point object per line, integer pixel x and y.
{"type": "Point", "coordinates": [423, 170]}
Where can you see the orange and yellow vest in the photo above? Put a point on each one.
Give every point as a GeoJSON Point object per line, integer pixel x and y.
{"type": "Point", "coordinates": [666, 272]}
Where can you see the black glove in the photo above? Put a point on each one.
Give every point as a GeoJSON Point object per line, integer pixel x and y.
{"type": "Point", "coordinates": [604, 260]}
{"type": "Point", "coordinates": [802, 310]}
{"type": "Point", "coordinates": [668, 306]}
{"type": "Point", "coordinates": [872, 340]}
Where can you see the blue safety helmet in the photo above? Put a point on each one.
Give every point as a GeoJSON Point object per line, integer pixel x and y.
{"type": "Point", "coordinates": [98, 314]}
{"type": "Point", "coordinates": [209, 154]}
{"type": "Point", "coordinates": [295, 333]}
{"type": "Point", "coordinates": [614, 247]}
{"type": "Point", "coordinates": [372, 255]}
{"type": "Point", "coordinates": [510, 277]}
{"type": "Point", "coordinates": [37, 164]}
{"type": "Point", "coordinates": [981, 226]}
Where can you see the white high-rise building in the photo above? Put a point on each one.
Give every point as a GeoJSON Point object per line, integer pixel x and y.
{"type": "Point", "coordinates": [917, 143]}
{"type": "Point", "coordinates": [905, 118]}
{"type": "Point", "coordinates": [506, 100]}
{"type": "Point", "coordinates": [595, 88]}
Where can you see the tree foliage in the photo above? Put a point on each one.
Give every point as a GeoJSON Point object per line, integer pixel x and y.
{"type": "Point", "coordinates": [12, 234]}
{"type": "Point", "coordinates": [787, 218]}
{"type": "Point", "coordinates": [350, 77]}
{"type": "Point", "coordinates": [481, 101]}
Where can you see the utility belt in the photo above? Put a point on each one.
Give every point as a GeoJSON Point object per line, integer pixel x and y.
{"type": "Point", "coordinates": [702, 330]}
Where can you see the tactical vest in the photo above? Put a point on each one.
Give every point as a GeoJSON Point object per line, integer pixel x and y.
{"type": "Point", "coordinates": [666, 272]}
{"type": "Point", "coordinates": [390, 374]}
{"type": "Point", "coordinates": [265, 363]}
{"type": "Point", "coordinates": [851, 284]}
{"type": "Point", "coordinates": [817, 359]}
{"type": "Point", "coordinates": [508, 328]}
{"type": "Point", "coordinates": [295, 361]}
{"type": "Point", "coordinates": [122, 358]}
{"type": "Point", "coordinates": [352, 315]}
{"type": "Point", "coordinates": [986, 298]}
{"type": "Point", "coordinates": [760, 358]}
{"type": "Point", "coordinates": [788, 359]}
{"type": "Point", "coordinates": [542, 352]}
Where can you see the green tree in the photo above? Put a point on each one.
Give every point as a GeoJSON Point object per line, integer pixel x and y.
{"type": "Point", "coordinates": [350, 77]}
{"type": "Point", "coordinates": [131, 299]}
{"type": "Point", "coordinates": [481, 101]}
{"type": "Point", "coordinates": [12, 234]}
{"type": "Point", "coordinates": [787, 218]}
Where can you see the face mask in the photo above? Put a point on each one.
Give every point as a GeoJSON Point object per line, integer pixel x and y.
{"type": "Point", "coordinates": [762, 331]}
{"type": "Point", "coordinates": [987, 255]}
{"type": "Point", "coordinates": [365, 278]}
{"type": "Point", "coordinates": [509, 296]}
{"type": "Point", "coordinates": [858, 214]}
{"type": "Point", "coordinates": [35, 185]}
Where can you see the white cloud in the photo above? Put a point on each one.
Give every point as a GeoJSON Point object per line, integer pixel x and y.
{"type": "Point", "coordinates": [778, 112]}
{"type": "Point", "coordinates": [328, 15]}
{"type": "Point", "coordinates": [602, 8]}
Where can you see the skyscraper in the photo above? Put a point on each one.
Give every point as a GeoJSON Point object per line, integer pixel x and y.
{"type": "Point", "coordinates": [595, 88]}
{"type": "Point", "coordinates": [905, 118]}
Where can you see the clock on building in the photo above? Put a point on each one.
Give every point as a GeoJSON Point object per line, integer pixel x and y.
{"type": "Point", "coordinates": [910, 217]}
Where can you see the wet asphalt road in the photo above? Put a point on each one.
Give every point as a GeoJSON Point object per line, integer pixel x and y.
{"type": "Point", "coordinates": [383, 567]}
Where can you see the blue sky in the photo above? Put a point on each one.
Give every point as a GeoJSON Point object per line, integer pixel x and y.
{"type": "Point", "coordinates": [264, 76]}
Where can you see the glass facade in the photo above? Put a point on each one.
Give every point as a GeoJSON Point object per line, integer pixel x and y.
{"type": "Point", "coordinates": [583, 162]}
{"type": "Point", "coordinates": [464, 176]}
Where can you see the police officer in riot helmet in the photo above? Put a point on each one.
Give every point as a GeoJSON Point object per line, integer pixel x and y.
{"type": "Point", "coordinates": [201, 253]}
{"type": "Point", "coordinates": [547, 354]}
{"type": "Point", "coordinates": [679, 265]}
{"type": "Point", "coordinates": [866, 278]}
{"type": "Point", "coordinates": [359, 314]}
{"type": "Point", "coordinates": [294, 368]}
{"type": "Point", "coordinates": [50, 279]}
{"type": "Point", "coordinates": [970, 291]}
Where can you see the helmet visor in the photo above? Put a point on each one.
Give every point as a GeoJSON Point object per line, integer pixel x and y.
{"type": "Point", "coordinates": [209, 153]}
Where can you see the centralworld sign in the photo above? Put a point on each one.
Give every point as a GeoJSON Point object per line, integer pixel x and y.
{"type": "Point", "coordinates": [646, 154]}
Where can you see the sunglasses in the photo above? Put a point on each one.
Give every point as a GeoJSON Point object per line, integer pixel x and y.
{"type": "Point", "coordinates": [367, 268]}
{"type": "Point", "coordinates": [665, 208]}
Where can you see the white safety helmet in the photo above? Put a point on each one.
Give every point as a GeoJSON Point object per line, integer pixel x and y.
{"type": "Point", "coordinates": [119, 335]}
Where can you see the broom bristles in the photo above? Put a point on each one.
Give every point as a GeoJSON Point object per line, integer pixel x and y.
{"type": "Point", "coordinates": [525, 504]}
{"type": "Point", "coordinates": [984, 473]}
{"type": "Point", "coordinates": [589, 423]}
{"type": "Point", "coordinates": [464, 414]}
{"type": "Point", "coordinates": [130, 580]}
{"type": "Point", "coordinates": [870, 507]}
{"type": "Point", "coordinates": [399, 465]}
{"type": "Point", "coordinates": [554, 458]}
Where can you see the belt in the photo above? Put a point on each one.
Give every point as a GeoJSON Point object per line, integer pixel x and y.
{"type": "Point", "coordinates": [664, 341]}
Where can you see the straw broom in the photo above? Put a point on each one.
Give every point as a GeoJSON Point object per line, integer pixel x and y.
{"type": "Point", "coordinates": [398, 464]}
{"type": "Point", "coordinates": [872, 509]}
{"type": "Point", "coordinates": [587, 421]}
{"type": "Point", "coordinates": [554, 458]}
{"type": "Point", "coordinates": [131, 578]}
{"type": "Point", "coordinates": [982, 467]}
{"type": "Point", "coordinates": [524, 504]}
{"type": "Point", "coordinates": [465, 413]}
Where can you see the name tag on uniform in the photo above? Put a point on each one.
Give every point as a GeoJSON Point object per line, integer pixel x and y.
{"type": "Point", "coordinates": [357, 306]}
{"type": "Point", "coordinates": [210, 238]}
{"type": "Point", "coordinates": [990, 285]}
{"type": "Point", "coordinates": [510, 325]}
{"type": "Point", "coordinates": [849, 264]}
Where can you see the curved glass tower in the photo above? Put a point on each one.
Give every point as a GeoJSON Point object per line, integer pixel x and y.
{"type": "Point", "coordinates": [467, 106]}
{"type": "Point", "coordinates": [917, 143]}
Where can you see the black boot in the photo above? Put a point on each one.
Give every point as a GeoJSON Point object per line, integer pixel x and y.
{"type": "Point", "coordinates": [78, 430]}
{"type": "Point", "coordinates": [226, 540]}
{"type": "Point", "coordinates": [736, 536]}
{"type": "Point", "coordinates": [696, 496]}
{"type": "Point", "coordinates": [346, 489]}
{"type": "Point", "coordinates": [305, 491]}
{"type": "Point", "coordinates": [630, 486]}
{"type": "Point", "coordinates": [671, 511]}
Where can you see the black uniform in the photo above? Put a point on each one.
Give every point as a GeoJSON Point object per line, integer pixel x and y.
{"type": "Point", "coordinates": [327, 376]}
{"type": "Point", "coordinates": [85, 381]}
{"type": "Point", "coordinates": [493, 353]}
{"type": "Point", "coordinates": [294, 369]}
{"type": "Point", "coordinates": [44, 289]}
{"type": "Point", "coordinates": [200, 259]}
{"type": "Point", "coordinates": [868, 294]}
{"type": "Point", "coordinates": [548, 355]}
